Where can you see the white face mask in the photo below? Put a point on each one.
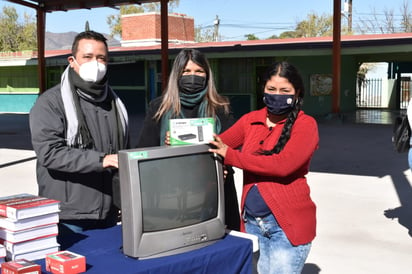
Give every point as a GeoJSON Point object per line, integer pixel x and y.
{"type": "Point", "coordinates": [92, 71]}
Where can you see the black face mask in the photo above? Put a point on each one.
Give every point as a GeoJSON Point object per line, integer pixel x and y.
{"type": "Point", "coordinates": [191, 84]}
{"type": "Point", "coordinates": [279, 104]}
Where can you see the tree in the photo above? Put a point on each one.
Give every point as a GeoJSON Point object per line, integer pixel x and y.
{"type": "Point", "coordinates": [251, 37]}
{"type": "Point", "coordinates": [386, 22]}
{"type": "Point", "coordinates": [315, 26]}
{"type": "Point", "coordinates": [406, 23]}
{"type": "Point", "coordinates": [15, 35]}
{"type": "Point", "coordinates": [204, 34]}
{"type": "Point", "coordinates": [114, 20]}
{"type": "Point", "coordinates": [28, 35]}
{"type": "Point", "coordinates": [274, 36]}
{"type": "Point", "coordinates": [375, 24]}
{"type": "Point", "coordinates": [288, 34]}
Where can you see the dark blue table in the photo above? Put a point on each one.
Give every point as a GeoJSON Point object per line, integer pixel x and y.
{"type": "Point", "coordinates": [102, 249]}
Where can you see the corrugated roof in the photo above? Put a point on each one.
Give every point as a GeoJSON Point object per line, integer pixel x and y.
{"type": "Point", "coordinates": [65, 5]}
{"type": "Point", "coordinates": [348, 41]}
{"type": "Point", "coordinates": [291, 43]}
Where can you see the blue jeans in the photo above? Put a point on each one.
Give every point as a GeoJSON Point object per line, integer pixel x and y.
{"type": "Point", "coordinates": [277, 254]}
{"type": "Point", "coordinates": [78, 226]}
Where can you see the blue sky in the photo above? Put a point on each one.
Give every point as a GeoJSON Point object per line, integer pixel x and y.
{"type": "Point", "coordinates": [237, 17]}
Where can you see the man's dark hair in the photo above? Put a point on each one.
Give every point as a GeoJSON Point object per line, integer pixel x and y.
{"type": "Point", "coordinates": [87, 35]}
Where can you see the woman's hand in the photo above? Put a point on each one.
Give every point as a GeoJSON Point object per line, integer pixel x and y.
{"type": "Point", "coordinates": [225, 172]}
{"type": "Point", "coordinates": [167, 138]}
{"type": "Point", "coordinates": [221, 148]}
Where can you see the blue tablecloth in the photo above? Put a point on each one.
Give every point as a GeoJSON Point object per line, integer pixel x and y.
{"type": "Point", "coordinates": [102, 249]}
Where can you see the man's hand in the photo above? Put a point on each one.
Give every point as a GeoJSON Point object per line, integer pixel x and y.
{"type": "Point", "coordinates": [111, 160]}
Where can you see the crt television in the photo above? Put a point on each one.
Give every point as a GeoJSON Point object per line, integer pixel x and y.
{"type": "Point", "coordinates": [172, 199]}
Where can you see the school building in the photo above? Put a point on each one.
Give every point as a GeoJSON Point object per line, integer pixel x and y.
{"type": "Point", "coordinates": [135, 67]}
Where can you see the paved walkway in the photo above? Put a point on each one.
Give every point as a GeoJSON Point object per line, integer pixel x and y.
{"type": "Point", "coordinates": [362, 189]}
{"type": "Point", "coordinates": [363, 192]}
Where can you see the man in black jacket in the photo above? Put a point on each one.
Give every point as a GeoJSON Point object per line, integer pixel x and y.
{"type": "Point", "coordinates": [77, 128]}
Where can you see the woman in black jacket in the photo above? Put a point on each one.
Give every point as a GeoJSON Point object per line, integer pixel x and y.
{"type": "Point", "coordinates": [191, 93]}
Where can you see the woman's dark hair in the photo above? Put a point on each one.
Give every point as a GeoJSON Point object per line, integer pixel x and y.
{"type": "Point", "coordinates": [290, 72]}
{"type": "Point", "coordinates": [190, 54]}
{"type": "Point", "coordinates": [171, 99]}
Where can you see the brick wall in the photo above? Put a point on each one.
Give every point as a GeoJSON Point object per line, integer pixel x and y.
{"type": "Point", "coordinates": [145, 28]}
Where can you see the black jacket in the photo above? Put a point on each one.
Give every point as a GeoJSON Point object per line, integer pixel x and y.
{"type": "Point", "coordinates": [150, 132]}
{"type": "Point", "coordinates": [74, 176]}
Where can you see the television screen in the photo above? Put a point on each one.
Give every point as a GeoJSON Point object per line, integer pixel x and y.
{"type": "Point", "coordinates": [171, 199]}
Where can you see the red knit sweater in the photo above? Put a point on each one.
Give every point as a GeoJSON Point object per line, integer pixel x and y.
{"type": "Point", "coordinates": [280, 178]}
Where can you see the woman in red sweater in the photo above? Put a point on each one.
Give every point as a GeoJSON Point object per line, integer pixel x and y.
{"type": "Point", "coordinates": [274, 146]}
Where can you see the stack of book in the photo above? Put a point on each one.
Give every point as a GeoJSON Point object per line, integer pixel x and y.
{"type": "Point", "coordinates": [28, 226]}
{"type": "Point", "coordinates": [21, 266]}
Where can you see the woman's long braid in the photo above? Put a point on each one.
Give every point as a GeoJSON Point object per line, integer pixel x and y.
{"type": "Point", "coordinates": [287, 129]}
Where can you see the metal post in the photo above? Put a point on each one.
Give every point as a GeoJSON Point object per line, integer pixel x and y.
{"type": "Point", "coordinates": [41, 62]}
{"type": "Point", "coordinates": [350, 16]}
{"type": "Point", "coordinates": [216, 32]}
{"type": "Point", "coordinates": [336, 56]}
{"type": "Point", "coordinates": [165, 41]}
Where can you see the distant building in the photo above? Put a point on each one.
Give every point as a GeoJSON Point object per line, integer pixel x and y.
{"type": "Point", "coordinates": [144, 29]}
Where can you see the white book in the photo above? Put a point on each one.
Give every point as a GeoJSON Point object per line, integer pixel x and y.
{"type": "Point", "coordinates": [28, 234]}
{"type": "Point", "coordinates": [31, 245]}
{"type": "Point", "coordinates": [14, 225]}
{"type": "Point", "coordinates": [21, 206]}
{"type": "Point", "coordinates": [33, 255]}
{"type": "Point", "coordinates": [253, 238]}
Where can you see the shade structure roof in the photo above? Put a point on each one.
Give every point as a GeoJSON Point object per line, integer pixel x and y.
{"type": "Point", "coordinates": [66, 5]}
{"type": "Point", "coordinates": [47, 6]}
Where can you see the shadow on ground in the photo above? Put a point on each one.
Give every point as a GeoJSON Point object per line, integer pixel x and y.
{"type": "Point", "coordinates": [366, 150]}
{"type": "Point", "coordinates": [311, 269]}
{"type": "Point", "coordinates": [15, 130]}
{"type": "Point", "coordinates": [357, 149]}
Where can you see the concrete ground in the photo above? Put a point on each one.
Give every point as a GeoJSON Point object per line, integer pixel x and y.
{"type": "Point", "coordinates": [361, 186]}
{"type": "Point", "coordinates": [363, 193]}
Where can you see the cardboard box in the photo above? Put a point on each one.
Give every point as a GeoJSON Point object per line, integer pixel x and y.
{"type": "Point", "coordinates": [191, 131]}
{"type": "Point", "coordinates": [21, 266]}
{"type": "Point", "coordinates": [65, 262]}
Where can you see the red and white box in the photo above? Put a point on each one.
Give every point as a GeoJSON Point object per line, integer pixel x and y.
{"type": "Point", "coordinates": [21, 266]}
{"type": "Point", "coordinates": [65, 262]}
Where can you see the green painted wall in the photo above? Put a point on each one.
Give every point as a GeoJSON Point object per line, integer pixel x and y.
{"type": "Point", "coordinates": [18, 88]}
{"type": "Point", "coordinates": [19, 79]}
{"type": "Point", "coordinates": [236, 78]}
{"type": "Point", "coordinates": [322, 104]}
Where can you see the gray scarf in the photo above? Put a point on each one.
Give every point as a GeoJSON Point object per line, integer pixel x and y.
{"type": "Point", "coordinates": [73, 139]}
